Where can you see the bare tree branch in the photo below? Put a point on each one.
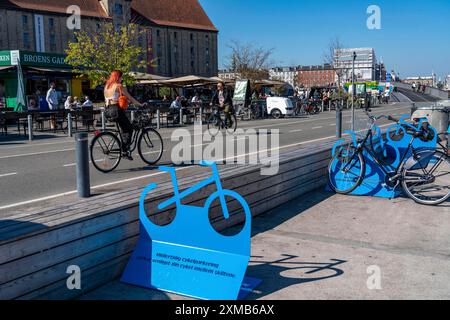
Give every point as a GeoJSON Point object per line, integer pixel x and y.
{"type": "Point", "coordinates": [250, 61]}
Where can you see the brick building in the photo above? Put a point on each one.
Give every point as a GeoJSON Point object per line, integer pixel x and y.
{"type": "Point", "coordinates": [177, 34]}
{"type": "Point", "coordinates": [316, 76]}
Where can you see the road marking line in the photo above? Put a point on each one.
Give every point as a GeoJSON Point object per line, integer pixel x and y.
{"type": "Point", "coordinates": [36, 153]}
{"type": "Point", "coordinates": [36, 145]}
{"type": "Point", "coordinates": [314, 128]}
{"type": "Point", "coordinates": [8, 174]}
{"type": "Point", "coordinates": [299, 130]}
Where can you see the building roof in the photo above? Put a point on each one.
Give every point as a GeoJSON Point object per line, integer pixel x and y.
{"type": "Point", "coordinates": [90, 8]}
{"type": "Point", "coordinates": [174, 13]}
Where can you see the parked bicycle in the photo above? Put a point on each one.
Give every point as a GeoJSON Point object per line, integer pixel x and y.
{"type": "Point", "coordinates": [106, 147]}
{"type": "Point", "coordinates": [424, 176]}
{"type": "Point", "coordinates": [217, 121]}
{"type": "Point", "coordinates": [312, 107]}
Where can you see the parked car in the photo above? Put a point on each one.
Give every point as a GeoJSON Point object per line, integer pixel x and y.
{"type": "Point", "coordinates": [279, 107]}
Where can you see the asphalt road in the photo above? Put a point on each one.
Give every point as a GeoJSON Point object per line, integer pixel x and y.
{"type": "Point", "coordinates": [35, 172]}
{"type": "Point", "coordinates": [417, 97]}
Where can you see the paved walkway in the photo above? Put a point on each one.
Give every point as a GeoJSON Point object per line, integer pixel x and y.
{"type": "Point", "coordinates": [329, 243]}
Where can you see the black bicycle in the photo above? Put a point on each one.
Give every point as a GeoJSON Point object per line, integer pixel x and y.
{"type": "Point", "coordinates": [425, 176]}
{"type": "Point", "coordinates": [106, 147]}
{"type": "Point", "coordinates": [218, 121]}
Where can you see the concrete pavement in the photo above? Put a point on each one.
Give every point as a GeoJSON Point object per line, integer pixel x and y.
{"type": "Point", "coordinates": [326, 246]}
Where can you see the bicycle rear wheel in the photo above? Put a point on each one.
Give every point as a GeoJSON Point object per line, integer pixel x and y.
{"type": "Point", "coordinates": [230, 128]}
{"type": "Point", "coordinates": [346, 170]}
{"type": "Point", "coordinates": [150, 146]}
{"type": "Point", "coordinates": [106, 152]}
{"type": "Point", "coordinates": [214, 125]}
{"type": "Point", "coordinates": [427, 182]}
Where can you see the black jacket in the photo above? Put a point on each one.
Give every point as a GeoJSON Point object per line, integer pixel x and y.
{"type": "Point", "coordinates": [227, 96]}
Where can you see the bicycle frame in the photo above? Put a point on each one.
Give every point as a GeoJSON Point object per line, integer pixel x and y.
{"type": "Point", "coordinates": [382, 165]}
{"type": "Point", "coordinates": [134, 138]}
{"type": "Point", "coordinates": [214, 179]}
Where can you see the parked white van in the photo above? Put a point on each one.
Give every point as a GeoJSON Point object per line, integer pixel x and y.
{"type": "Point", "coordinates": [279, 107]}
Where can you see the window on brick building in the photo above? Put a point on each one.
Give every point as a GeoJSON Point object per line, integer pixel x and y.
{"type": "Point", "coordinates": [26, 40]}
{"type": "Point", "coordinates": [25, 21]}
{"type": "Point", "coordinates": [118, 9]}
{"type": "Point", "coordinates": [52, 43]}
{"type": "Point", "coordinates": [51, 23]}
{"type": "Point", "coordinates": [192, 37]}
{"type": "Point", "coordinates": [158, 50]}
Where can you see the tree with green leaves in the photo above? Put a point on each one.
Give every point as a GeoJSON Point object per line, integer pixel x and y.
{"type": "Point", "coordinates": [95, 55]}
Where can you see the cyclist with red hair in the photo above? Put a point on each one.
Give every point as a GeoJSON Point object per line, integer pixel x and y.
{"type": "Point", "coordinates": [113, 91]}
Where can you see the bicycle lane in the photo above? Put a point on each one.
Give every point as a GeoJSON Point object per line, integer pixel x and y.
{"type": "Point", "coordinates": [41, 175]}
{"type": "Point", "coordinates": [61, 144]}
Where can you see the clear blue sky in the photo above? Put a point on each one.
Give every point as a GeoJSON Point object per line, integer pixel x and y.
{"type": "Point", "coordinates": [414, 39]}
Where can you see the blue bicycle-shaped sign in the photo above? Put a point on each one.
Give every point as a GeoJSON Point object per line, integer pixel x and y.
{"type": "Point", "coordinates": [188, 256]}
{"type": "Point", "coordinates": [214, 179]}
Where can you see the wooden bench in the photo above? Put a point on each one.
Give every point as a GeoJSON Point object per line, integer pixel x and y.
{"type": "Point", "coordinates": [100, 233]}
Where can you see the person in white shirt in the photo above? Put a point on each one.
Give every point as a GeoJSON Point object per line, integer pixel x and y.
{"type": "Point", "coordinates": [387, 95]}
{"type": "Point", "coordinates": [87, 103]}
{"type": "Point", "coordinates": [52, 97]}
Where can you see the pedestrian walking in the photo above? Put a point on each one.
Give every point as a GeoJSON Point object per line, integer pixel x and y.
{"type": "Point", "coordinates": [52, 97]}
{"type": "Point", "coordinates": [52, 101]}
{"type": "Point", "coordinates": [175, 108]}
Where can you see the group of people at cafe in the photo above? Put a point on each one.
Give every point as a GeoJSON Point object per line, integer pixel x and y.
{"type": "Point", "coordinates": [71, 103]}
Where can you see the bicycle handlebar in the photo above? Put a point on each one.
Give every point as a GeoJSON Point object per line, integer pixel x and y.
{"type": "Point", "coordinates": [390, 118]}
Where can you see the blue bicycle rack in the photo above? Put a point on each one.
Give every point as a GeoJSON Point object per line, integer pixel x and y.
{"type": "Point", "coordinates": [188, 256]}
{"type": "Point", "coordinates": [390, 149]}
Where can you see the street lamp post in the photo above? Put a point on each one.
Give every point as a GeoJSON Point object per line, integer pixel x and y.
{"type": "Point", "coordinates": [353, 91]}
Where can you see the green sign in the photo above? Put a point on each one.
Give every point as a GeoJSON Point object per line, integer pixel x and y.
{"type": "Point", "coordinates": [240, 90]}
{"type": "Point", "coordinates": [360, 88]}
{"type": "Point", "coordinates": [39, 59]}
{"type": "Point", "coordinates": [34, 59]}
{"type": "Point", "coordinates": [5, 58]}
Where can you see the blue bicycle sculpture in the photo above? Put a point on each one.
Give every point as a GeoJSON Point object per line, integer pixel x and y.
{"type": "Point", "coordinates": [214, 179]}
{"type": "Point", "coordinates": [202, 260]}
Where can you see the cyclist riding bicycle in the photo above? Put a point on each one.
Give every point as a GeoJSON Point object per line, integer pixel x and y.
{"type": "Point", "coordinates": [223, 99]}
{"type": "Point", "coordinates": [113, 93]}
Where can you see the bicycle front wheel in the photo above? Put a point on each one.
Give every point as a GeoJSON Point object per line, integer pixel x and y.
{"type": "Point", "coordinates": [106, 152]}
{"type": "Point", "coordinates": [150, 146]}
{"type": "Point", "coordinates": [426, 179]}
{"type": "Point", "coordinates": [346, 170]}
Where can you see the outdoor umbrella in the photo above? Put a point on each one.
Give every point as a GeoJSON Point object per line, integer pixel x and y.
{"type": "Point", "coordinates": [188, 81]}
